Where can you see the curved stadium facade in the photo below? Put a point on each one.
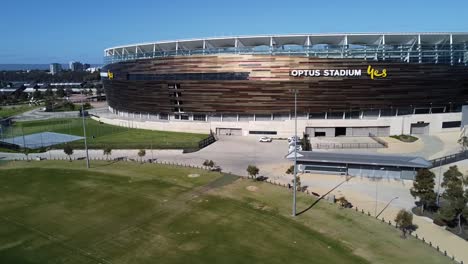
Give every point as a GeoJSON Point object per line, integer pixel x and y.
{"type": "Point", "coordinates": [347, 84]}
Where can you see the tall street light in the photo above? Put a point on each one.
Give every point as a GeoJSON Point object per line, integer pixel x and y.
{"type": "Point", "coordinates": [84, 134]}
{"type": "Point", "coordinates": [295, 152]}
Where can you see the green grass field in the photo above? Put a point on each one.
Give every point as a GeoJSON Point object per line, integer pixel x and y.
{"type": "Point", "coordinates": [58, 212]}
{"type": "Point", "coordinates": [7, 111]}
{"type": "Point", "coordinates": [101, 135]}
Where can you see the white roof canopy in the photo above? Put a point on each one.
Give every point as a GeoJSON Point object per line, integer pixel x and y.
{"type": "Point", "coordinates": [294, 39]}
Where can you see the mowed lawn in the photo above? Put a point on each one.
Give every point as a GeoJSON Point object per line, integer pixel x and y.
{"type": "Point", "coordinates": [58, 212]}
{"type": "Point", "coordinates": [101, 135]}
{"type": "Point", "coordinates": [7, 111]}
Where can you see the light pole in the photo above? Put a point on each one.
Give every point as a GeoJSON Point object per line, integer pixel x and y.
{"type": "Point", "coordinates": [84, 134]}
{"type": "Point", "coordinates": [295, 152]}
{"type": "Point", "coordinates": [376, 193]}
{"type": "Point", "coordinates": [438, 185]}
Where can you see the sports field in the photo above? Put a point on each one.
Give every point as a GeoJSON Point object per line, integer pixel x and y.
{"type": "Point", "coordinates": [58, 212]}
{"type": "Point", "coordinates": [100, 135]}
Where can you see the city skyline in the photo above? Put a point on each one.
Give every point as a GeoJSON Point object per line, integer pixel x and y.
{"type": "Point", "coordinates": [80, 31]}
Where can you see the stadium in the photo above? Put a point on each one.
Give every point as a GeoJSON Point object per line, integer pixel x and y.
{"type": "Point", "coordinates": [345, 84]}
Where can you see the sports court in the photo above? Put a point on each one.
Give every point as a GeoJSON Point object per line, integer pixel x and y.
{"type": "Point", "coordinates": [43, 139]}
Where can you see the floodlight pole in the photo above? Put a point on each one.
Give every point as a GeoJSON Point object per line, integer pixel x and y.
{"type": "Point", "coordinates": [438, 185]}
{"type": "Point", "coordinates": [295, 153]}
{"type": "Point", "coordinates": [84, 134]}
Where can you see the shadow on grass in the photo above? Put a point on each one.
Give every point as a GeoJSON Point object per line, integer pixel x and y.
{"type": "Point", "coordinates": [110, 162]}
{"type": "Point", "coordinates": [323, 196]}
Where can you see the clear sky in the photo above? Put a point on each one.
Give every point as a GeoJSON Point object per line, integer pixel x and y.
{"type": "Point", "coordinates": [34, 31]}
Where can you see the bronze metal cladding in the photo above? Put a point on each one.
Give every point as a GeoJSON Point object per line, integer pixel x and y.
{"type": "Point", "coordinates": [268, 83]}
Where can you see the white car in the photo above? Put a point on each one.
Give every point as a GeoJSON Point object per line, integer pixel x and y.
{"type": "Point", "coordinates": [265, 139]}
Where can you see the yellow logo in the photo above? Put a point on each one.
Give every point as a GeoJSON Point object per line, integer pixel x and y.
{"type": "Point", "coordinates": [375, 73]}
{"type": "Point", "coordinates": [110, 75]}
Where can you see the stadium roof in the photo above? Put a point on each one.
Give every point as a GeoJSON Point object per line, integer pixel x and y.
{"type": "Point", "coordinates": [362, 159]}
{"type": "Point", "coordinates": [422, 38]}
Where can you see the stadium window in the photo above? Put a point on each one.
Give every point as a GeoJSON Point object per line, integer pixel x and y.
{"type": "Point", "coordinates": [184, 117]}
{"type": "Point", "coordinates": [164, 116]}
{"type": "Point", "coordinates": [199, 117]}
{"type": "Point", "coordinates": [451, 124]}
{"type": "Point", "coordinates": [262, 132]}
{"type": "Point", "coordinates": [419, 111]}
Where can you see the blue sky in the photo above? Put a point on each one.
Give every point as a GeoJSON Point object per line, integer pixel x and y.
{"type": "Point", "coordinates": [48, 31]}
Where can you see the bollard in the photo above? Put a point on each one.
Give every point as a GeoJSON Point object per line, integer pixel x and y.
{"type": "Point", "coordinates": [430, 243]}
{"type": "Point", "coordinates": [438, 249]}
{"type": "Point", "coordinates": [423, 240]}
{"type": "Point", "coordinates": [383, 219]}
{"type": "Point", "coordinates": [445, 252]}
{"type": "Point", "coordinates": [453, 257]}
{"type": "Point", "coordinates": [362, 210]}
{"type": "Point", "coordinates": [416, 235]}
{"type": "Point", "coordinates": [368, 213]}
{"type": "Point", "coordinates": [356, 209]}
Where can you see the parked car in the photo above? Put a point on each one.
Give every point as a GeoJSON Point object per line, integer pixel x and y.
{"type": "Point", "coordinates": [265, 139]}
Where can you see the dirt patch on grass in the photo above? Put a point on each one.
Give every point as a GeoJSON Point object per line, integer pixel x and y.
{"type": "Point", "coordinates": [193, 175]}
{"type": "Point", "coordinates": [252, 188]}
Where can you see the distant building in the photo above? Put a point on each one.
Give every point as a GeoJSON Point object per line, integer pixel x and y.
{"type": "Point", "coordinates": [86, 66]}
{"type": "Point", "coordinates": [55, 68]}
{"type": "Point", "coordinates": [76, 66]}
{"type": "Point", "coordinates": [93, 69]}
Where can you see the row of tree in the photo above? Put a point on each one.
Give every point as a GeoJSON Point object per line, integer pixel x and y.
{"type": "Point", "coordinates": [39, 76]}
{"type": "Point", "coordinates": [451, 206]}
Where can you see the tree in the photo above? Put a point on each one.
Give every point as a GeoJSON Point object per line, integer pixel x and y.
{"type": "Point", "coordinates": [67, 149]}
{"type": "Point", "coordinates": [423, 188]}
{"type": "Point", "coordinates": [48, 93]}
{"type": "Point", "coordinates": [252, 171]}
{"type": "Point", "coordinates": [290, 170]}
{"type": "Point", "coordinates": [141, 154]}
{"type": "Point", "coordinates": [298, 183]}
{"type": "Point", "coordinates": [404, 221]}
{"type": "Point", "coordinates": [60, 93]}
{"type": "Point", "coordinates": [107, 151]}
{"type": "Point", "coordinates": [463, 141]}
{"type": "Point", "coordinates": [456, 198]}
{"type": "Point", "coordinates": [209, 163]}
{"type": "Point", "coordinates": [305, 142]}
{"type": "Point", "coordinates": [343, 202]}
{"type": "Point", "coordinates": [68, 91]}
{"type": "Point", "coordinates": [37, 95]}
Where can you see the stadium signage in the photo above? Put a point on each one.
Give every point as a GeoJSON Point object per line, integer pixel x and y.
{"type": "Point", "coordinates": [107, 74]}
{"type": "Point", "coordinates": [371, 72]}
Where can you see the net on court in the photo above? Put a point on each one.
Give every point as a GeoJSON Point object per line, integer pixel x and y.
{"type": "Point", "coordinates": [43, 139]}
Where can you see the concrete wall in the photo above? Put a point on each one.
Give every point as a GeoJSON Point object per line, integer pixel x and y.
{"type": "Point", "coordinates": [398, 125]}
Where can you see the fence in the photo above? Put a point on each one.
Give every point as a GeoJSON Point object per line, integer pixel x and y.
{"type": "Point", "coordinates": [449, 159]}
{"type": "Point", "coordinates": [346, 145]}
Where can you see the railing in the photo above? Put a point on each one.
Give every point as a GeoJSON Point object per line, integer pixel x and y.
{"type": "Point", "coordinates": [347, 145]}
{"type": "Point", "coordinates": [206, 141]}
{"type": "Point", "coordinates": [449, 159]}
{"type": "Point", "coordinates": [402, 53]}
